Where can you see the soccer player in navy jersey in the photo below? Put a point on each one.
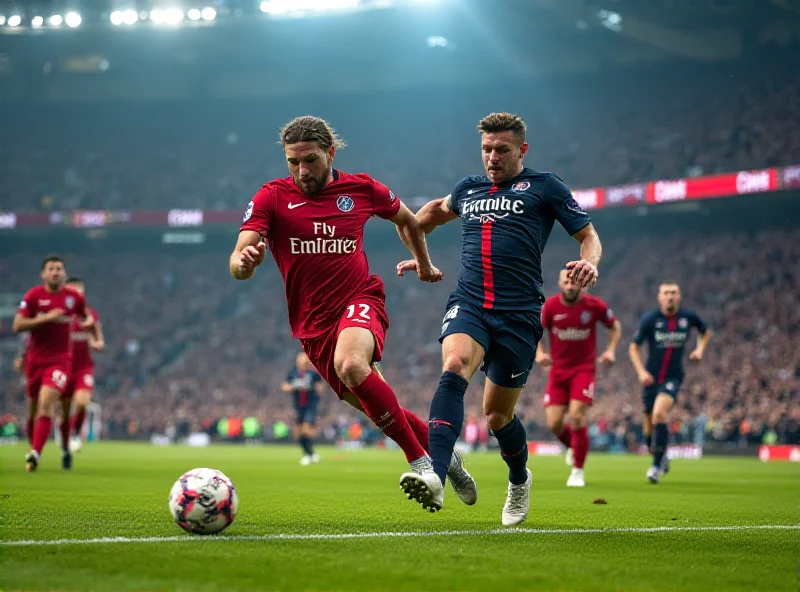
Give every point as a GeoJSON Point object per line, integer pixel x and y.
{"type": "Point", "coordinates": [666, 331]}
{"type": "Point", "coordinates": [492, 317]}
{"type": "Point", "coordinates": [306, 386]}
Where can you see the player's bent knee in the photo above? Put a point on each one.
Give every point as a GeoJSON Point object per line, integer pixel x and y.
{"type": "Point", "coordinates": [457, 364]}
{"type": "Point", "coordinates": [497, 420]}
{"type": "Point", "coordinates": [352, 371]}
{"type": "Point", "coordinates": [556, 424]}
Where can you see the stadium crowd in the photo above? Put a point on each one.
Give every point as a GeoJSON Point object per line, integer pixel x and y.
{"type": "Point", "coordinates": [187, 345]}
{"type": "Point", "coordinates": [670, 125]}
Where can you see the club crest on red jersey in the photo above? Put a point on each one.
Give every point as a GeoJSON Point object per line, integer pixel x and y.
{"type": "Point", "coordinates": [521, 186]}
{"type": "Point", "coordinates": [345, 203]}
{"type": "Point", "coordinates": [586, 316]}
{"type": "Point", "coordinates": [69, 301]}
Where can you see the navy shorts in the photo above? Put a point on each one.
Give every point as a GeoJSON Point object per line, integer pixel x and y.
{"type": "Point", "coordinates": [307, 414]}
{"type": "Point", "coordinates": [670, 387]}
{"type": "Point", "coordinates": [509, 338]}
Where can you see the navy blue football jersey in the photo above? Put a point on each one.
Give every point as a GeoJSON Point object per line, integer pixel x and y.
{"type": "Point", "coordinates": [504, 231]}
{"type": "Point", "coordinates": [667, 337]}
{"type": "Point", "coordinates": [304, 387]}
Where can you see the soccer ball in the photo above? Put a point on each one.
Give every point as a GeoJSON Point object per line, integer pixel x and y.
{"type": "Point", "coordinates": [203, 501]}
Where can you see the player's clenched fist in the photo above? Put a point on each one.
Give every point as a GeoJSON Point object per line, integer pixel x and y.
{"type": "Point", "coordinates": [426, 274]}
{"type": "Point", "coordinates": [646, 379]}
{"type": "Point", "coordinates": [583, 272]}
{"type": "Point", "coordinates": [249, 258]}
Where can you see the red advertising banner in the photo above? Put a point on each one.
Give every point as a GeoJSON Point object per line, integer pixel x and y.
{"type": "Point", "coordinates": [769, 453]}
{"type": "Point", "coordinates": [654, 192]}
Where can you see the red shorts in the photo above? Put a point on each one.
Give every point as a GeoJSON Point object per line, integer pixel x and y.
{"type": "Point", "coordinates": [577, 387]}
{"type": "Point", "coordinates": [79, 380]}
{"type": "Point", "coordinates": [52, 374]}
{"type": "Point", "coordinates": [367, 310]}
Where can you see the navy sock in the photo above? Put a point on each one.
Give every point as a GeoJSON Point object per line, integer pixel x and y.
{"type": "Point", "coordinates": [660, 442]}
{"type": "Point", "coordinates": [305, 444]}
{"type": "Point", "coordinates": [446, 419]}
{"type": "Point", "coordinates": [514, 450]}
{"type": "Point", "coordinates": [648, 439]}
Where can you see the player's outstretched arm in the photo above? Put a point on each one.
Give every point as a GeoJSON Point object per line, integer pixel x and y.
{"type": "Point", "coordinates": [435, 213]}
{"type": "Point", "coordinates": [413, 237]}
{"type": "Point", "coordinates": [609, 356]}
{"type": "Point", "coordinates": [584, 272]}
{"type": "Point", "coordinates": [247, 255]}
{"type": "Point", "coordinates": [702, 343]}
{"type": "Point", "coordinates": [23, 323]}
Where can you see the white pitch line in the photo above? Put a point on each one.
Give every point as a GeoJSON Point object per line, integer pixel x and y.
{"type": "Point", "coordinates": [396, 535]}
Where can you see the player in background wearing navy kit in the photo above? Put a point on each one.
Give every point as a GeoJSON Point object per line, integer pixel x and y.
{"type": "Point", "coordinates": [493, 315]}
{"type": "Point", "coordinates": [666, 331]}
{"type": "Point", "coordinates": [313, 223]}
{"type": "Point", "coordinates": [306, 386]}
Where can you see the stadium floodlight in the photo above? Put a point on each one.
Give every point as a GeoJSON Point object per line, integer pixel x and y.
{"type": "Point", "coordinates": [37, 21]}
{"type": "Point", "coordinates": [117, 18]}
{"type": "Point", "coordinates": [193, 14]}
{"type": "Point", "coordinates": [157, 16]}
{"type": "Point", "coordinates": [208, 13]}
{"type": "Point", "coordinates": [286, 6]}
{"type": "Point", "coordinates": [55, 20]}
{"type": "Point", "coordinates": [73, 19]}
{"type": "Point", "coordinates": [14, 20]}
{"type": "Point", "coordinates": [130, 16]}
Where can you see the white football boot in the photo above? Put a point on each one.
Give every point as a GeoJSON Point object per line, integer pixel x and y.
{"type": "Point", "coordinates": [653, 475]}
{"type": "Point", "coordinates": [423, 485]}
{"type": "Point", "coordinates": [518, 502]}
{"type": "Point", "coordinates": [576, 478]}
{"type": "Point", "coordinates": [462, 482]}
{"type": "Point", "coordinates": [305, 460]}
{"type": "Point", "coordinates": [75, 444]}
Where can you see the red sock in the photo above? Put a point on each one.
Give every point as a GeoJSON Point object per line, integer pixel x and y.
{"type": "Point", "coordinates": [64, 429]}
{"type": "Point", "coordinates": [29, 431]}
{"type": "Point", "coordinates": [419, 427]}
{"type": "Point", "coordinates": [381, 406]}
{"type": "Point", "coordinates": [566, 437]}
{"type": "Point", "coordinates": [77, 420]}
{"type": "Point", "coordinates": [42, 432]}
{"type": "Point", "coordinates": [580, 446]}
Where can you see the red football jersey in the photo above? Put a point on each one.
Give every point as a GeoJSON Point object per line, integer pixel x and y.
{"type": "Point", "coordinates": [81, 352]}
{"type": "Point", "coordinates": [573, 341]}
{"type": "Point", "coordinates": [51, 342]}
{"type": "Point", "coordinates": [317, 243]}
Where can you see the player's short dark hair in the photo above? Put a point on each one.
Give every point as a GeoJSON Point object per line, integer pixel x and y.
{"type": "Point", "coordinates": [503, 122]}
{"type": "Point", "coordinates": [668, 283]}
{"type": "Point", "coordinates": [310, 129]}
{"type": "Point", "coordinates": [74, 280]}
{"type": "Point", "coordinates": [51, 259]}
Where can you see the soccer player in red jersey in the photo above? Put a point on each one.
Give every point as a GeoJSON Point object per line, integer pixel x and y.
{"type": "Point", "coordinates": [313, 222]}
{"type": "Point", "coordinates": [47, 311]}
{"type": "Point", "coordinates": [569, 318]}
{"type": "Point", "coordinates": [80, 386]}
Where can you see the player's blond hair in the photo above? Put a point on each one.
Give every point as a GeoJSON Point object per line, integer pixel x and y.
{"type": "Point", "coordinates": [308, 128]}
{"type": "Point", "coordinates": [503, 122]}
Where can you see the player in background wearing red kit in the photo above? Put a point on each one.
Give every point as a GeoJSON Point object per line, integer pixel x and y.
{"type": "Point", "coordinates": [80, 386]}
{"type": "Point", "coordinates": [313, 223]}
{"type": "Point", "coordinates": [47, 311]}
{"type": "Point", "coordinates": [569, 319]}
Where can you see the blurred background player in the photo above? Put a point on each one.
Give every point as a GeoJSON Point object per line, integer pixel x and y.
{"type": "Point", "coordinates": [306, 386]}
{"type": "Point", "coordinates": [47, 312]}
{"type": "Point", "coordinates": [666, 331]}
{"type": "Point", "coordinates": [569, 319]}
{"type": "Point", "coordinates": [314, 221]}
{"type": "Point", "coordinates": [492, 317]}
{"type": "Point", "coordinates": [80, 386]}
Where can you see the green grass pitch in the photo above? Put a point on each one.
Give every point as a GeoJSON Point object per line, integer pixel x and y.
{"type": "Point", "coordinates": [569, 543]}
